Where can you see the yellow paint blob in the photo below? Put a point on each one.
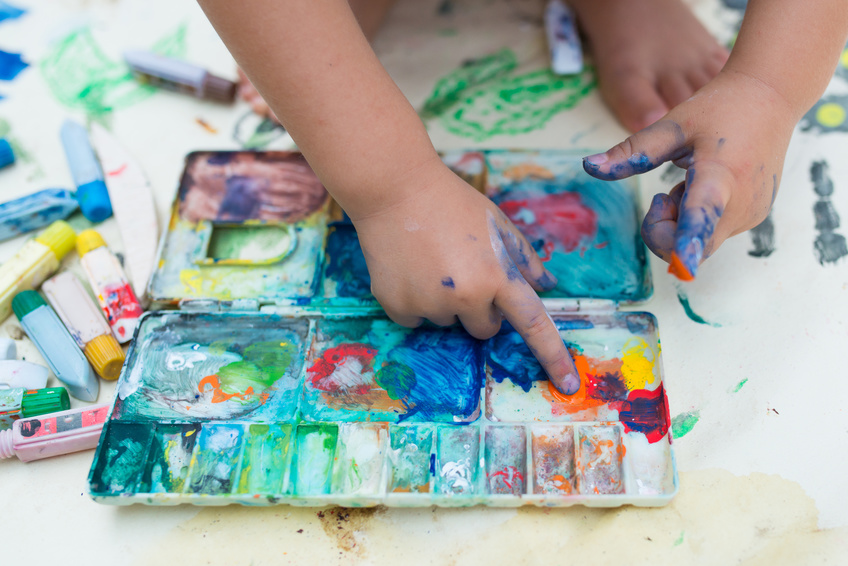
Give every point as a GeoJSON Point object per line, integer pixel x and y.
{"type": "Point", "coordinates": [843, 59]}
{"type": "Point", "coordinates": [192, 280]}
{"type": "Point", "coordinates": [830, 115]}
{"type": "Point", "coordinates": [637, 364]}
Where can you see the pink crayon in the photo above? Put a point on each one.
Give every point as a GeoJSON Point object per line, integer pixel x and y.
{"type": "Point", "coordinates": [54, 434]}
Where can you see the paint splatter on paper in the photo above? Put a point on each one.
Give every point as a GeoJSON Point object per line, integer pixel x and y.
{"type": "Point", "coordinates": [830, 246]}
{"type": "Point", "coordinates": [11, 64]}
{"type": "Point", "coordinates": [683, 298]}
{"type": "Point", "coordinates": [762, 238]}
{"type": "Point", "coordinates": [682, 424]}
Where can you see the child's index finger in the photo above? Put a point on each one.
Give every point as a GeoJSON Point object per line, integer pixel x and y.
{"type": "Point", "coordinates": [524, 310]}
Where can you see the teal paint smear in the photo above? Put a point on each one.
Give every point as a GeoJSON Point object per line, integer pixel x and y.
{"type": "Point", "coordinates": [740, 385]}
{"type": "Point", "coordinates": [682, 424]}
{"type": "Point", "coordinates": [687, 308]}
{"type": "Point", "coordinates": [679, 540]}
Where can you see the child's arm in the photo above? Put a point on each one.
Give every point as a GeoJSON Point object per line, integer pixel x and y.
{"type": "Point", "coordinates": [732, 135]}
{"type": "Point", "coordinates": [435, 247]}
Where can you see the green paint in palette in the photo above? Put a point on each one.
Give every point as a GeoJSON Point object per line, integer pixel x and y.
{"type": "Point", "coordinates": [170, 458]}
{"type": "Point", "coordinates": [410, 452]}
{"type": "Point", "coordinates": [265, 459]}
{"type": "Point", "coordinates": [359, 464]}
{"type": "Point", "coordinates": [313, 461]}
{"type": "Point", "coordinates": [121, 459]}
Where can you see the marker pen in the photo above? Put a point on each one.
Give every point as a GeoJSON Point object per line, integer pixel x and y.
{"type": "Point", "coordinates": [35, 211]}
{"type": "Point", "coordinates": [110, 284]}
{"type": "Point", "coordinates": [55, 434]}
{"type": "Point", "coordinates": [85, 169]}
{"type": "Point", "coordinates": [85, 322]}
{"type": "Point", "coordinates": [179, 76]}
{"type": "Point", "coordinates": [37, 260]}
{"type": "Point", "coordinates": [7, 156]}
{"type": "Point", "coordinates": [17, 373]}
{"type": "Point", "coordinates": [20, 403]}
{"type": "Point", "coordinates": [56, 345]}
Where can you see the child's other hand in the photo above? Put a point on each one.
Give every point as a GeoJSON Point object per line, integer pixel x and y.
{"type": "Point", "coordinates": [446, 253]}
{"type": "Point", "coordinates": [731, 137]}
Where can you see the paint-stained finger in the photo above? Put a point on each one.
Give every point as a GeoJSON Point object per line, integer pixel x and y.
{"type": "Point", "coordinates": [525, 258]}
{"type": "Point", "coordinates": [526, 313]}
{"type": "Point", "coordinates": [641, 152]}
{"type": "Point", "coordinates": [659, 226]}
{"type": "Point", "coordinates": [698, 231]}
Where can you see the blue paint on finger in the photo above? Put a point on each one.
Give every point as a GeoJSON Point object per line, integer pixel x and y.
{"type": "Point", "coordinates": [448, 282]}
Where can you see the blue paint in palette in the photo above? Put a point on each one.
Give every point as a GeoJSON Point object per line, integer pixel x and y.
{"type": "Point", "coordinates": [346, 272]}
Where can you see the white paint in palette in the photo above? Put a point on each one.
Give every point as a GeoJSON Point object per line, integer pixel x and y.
{"type": "Point", "coordinates": [16, 373]}
{"type": "Point", "coordinates": [359, 467]}
{"type": "Point", "coordinates": [132, 204]}
{"type": "Point", "coordinates": [647, 466]}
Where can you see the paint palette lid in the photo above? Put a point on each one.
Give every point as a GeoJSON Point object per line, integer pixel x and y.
{"type": "Point", "coordinates": [259, 226]}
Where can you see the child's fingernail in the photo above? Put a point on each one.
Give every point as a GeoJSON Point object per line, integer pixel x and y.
{"type": "Point", "coordinates": [547, 281]}
{"type": "Point", "coordinates": [597, 159]}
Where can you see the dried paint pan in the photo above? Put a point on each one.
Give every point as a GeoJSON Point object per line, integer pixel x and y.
{"type": "Point", "coordinates": [258, 395]}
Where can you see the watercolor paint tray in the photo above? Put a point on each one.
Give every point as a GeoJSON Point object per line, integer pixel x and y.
{"type": "Point", "coordinates": [259, 226]}
{"type": "Point", "coordinates": [279, 379]}
{"type": "Point", "coordinates": [253, 408]}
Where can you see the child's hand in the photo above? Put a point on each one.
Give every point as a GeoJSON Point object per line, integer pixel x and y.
{"type": "Point", "coordinates": [731, 137]}
{"type": "Point", "coordinates": [446, 252]}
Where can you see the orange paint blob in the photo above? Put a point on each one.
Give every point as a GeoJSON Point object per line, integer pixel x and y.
{"type": "Point", "coordinates": [679, 270]}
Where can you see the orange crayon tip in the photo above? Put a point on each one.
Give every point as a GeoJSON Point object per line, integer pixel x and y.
{"type": "Point", "coordinates": [679, 270]}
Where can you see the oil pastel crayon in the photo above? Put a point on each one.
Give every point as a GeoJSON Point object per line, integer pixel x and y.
{"type": "Point", "coordinates": [18, 373]}
{"type": "Point", "coordinates": [110, 284]}
{"type": "Point", "coordinates": [86, 324]}
{"type": "Point", "coordinates": [179, 76]}
{"type": "Point", "coordinates": [563, 40]}
{"type": "Point", "coordinates": [21, 403]}
{"type": "Point", "coordinates": [92, 194]}
{"type": "Point", "coordinates": [54, 434]}
{"type": "Point", "coordinates": [37, 260]}
{"type": "Point", "coordinates": [7, 156]}
{"type": "Point", "coordinates": [35, 211]}
{"type": "Point", "coordinates": [57, 346]}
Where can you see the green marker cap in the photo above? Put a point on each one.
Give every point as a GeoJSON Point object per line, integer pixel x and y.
{"type": "Point", "coordinates": [25, 302]}
{"type": "Point", "coordinates": [42, 401]}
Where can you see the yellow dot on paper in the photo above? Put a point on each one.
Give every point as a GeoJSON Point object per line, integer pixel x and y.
{"type": "Point", "coordinates": [843, 60]}
{"type": "Point", "coordinates": [830, 115]}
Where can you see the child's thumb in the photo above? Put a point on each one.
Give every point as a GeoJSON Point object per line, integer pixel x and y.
{"type": "Point", "coordinates": [641, 152]}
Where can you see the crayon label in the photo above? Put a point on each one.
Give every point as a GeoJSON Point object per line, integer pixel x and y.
{"type": "Point", "coordinates": [10, 406]}
{"type": "Point", "coordinates": [50, 424]}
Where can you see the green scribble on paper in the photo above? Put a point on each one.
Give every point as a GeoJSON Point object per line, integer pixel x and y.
{"type": "Point", "coordinates": [679, 540]}
{"type": "Point", "coordinates": [483, 99]}
{"type": "Point", "coordinates": [682, 424]}
{"type": "Point", "coordinates": [82, 77]}
{"type": "Point", "coordinates": [740, 385]}
{"type": "Point", "coordinates": [450, 88]}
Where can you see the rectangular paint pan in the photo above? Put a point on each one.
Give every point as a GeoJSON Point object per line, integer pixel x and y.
{"type": "Point", "coordinates": [278, 379]}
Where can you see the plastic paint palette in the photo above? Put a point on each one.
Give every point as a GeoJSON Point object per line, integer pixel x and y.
{"type": "Point", "coordinates": [319, 399]}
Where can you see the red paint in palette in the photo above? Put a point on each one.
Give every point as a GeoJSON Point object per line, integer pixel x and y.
{"type": "Point", "coordinates": [346, 367]}
{"type": "Point", "coordinates": [559, 218]}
